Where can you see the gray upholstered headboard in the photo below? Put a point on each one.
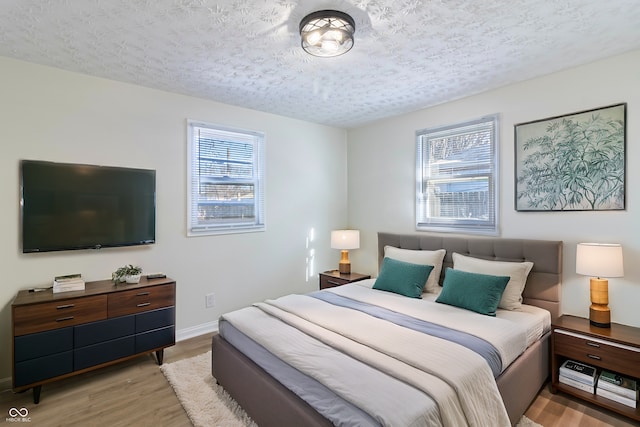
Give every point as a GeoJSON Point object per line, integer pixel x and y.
{"type": "Point", "coordinates": [544, 281]}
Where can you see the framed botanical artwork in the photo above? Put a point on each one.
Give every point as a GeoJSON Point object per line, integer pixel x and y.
{"type": "Point", "coordinates": [574, 162]}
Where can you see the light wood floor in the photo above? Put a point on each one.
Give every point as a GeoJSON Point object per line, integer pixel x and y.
{"type": "Point", "coordinates": [136, 393]}
{"type": "Point", "coordinates": [562, 410]}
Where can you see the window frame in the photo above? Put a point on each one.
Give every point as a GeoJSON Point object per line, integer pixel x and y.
{"type": "Point", "coordinates": [426, 223]}
{"type": "Point", "coordinates": [258, 180]}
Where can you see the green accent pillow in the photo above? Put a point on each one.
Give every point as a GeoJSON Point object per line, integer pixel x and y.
{"type": "Point", "coordinates": [402, 278]}
{"type": "Point", "coordinates": [473, 291]}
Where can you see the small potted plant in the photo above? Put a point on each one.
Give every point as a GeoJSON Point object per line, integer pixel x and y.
{"type": "Point", "coordinates": [128, 273]}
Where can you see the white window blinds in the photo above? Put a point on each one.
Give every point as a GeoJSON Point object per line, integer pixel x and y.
{"type": "Point", "coordinates": [457, 167]}
{"type": "Point", "coordinates": [226, 180]}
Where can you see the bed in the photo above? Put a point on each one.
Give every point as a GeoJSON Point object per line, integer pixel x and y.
{"type": "Point", "coordinates": [270, 403]}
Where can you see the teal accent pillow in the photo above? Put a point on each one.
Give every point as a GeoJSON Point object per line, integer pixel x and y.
{"type": "Point", "coordinates": [473, 291]}
{"type": "Point", "coordinates": [402, 278]}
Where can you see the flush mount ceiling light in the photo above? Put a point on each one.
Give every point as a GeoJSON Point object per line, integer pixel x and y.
{"type": "Point", "coordinates": [327, 33]}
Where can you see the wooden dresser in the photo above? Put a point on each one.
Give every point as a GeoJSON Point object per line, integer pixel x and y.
{"type": "Point", "coordinates": [59, 335]}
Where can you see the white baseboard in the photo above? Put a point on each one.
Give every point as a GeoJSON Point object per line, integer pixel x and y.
{"type": "Point", "coordinates": [5, 384]}
{"type": "Point", "coordinates": [195, 331]}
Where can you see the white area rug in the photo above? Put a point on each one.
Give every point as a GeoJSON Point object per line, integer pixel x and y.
{"type": "Point", "coordinates": [207, 404]}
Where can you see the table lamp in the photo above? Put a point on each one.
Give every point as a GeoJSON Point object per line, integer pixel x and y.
{"type": "Point", "coordinates": [599, 260]}
{"type": "Point", "coordinates": [345, 240]}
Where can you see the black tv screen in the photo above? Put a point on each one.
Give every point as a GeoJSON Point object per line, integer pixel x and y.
{"type": "Point", "coordinates": [73, 206]}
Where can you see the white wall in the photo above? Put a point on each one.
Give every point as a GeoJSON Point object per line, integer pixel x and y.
{"type": "Point", "coordinates": [55, 115]}
{"type": "Point", "coordinates": [381, 174]}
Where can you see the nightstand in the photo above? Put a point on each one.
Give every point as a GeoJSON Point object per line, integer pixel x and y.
{"type": "Point", "coordinates": [615, 349]}
{"type": "Point", "coordinates": [332, 278]}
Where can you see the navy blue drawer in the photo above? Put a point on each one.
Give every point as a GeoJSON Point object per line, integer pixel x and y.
{"type": "Point", "coordinates": [104, 352]}
{"type": "Point", "coordinates": [42, 368]}
{"type": "Point", "coordinates": [104, 330]}
{"type": "Point", "coordinates": [41, 344]}
{"type": "Point", "coordinates": [155, 319]}
{"type": "Point", "coordinates": [155, 339]}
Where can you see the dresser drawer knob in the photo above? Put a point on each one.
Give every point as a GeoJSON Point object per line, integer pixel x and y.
{"type": "Point", "coordinates": [62, 319]}
{"type": "Point", "coordinates": [142, 294]}
{"type": "Point", "coordinates": [62, 307]}
{"type": "Point", "coordinates": [593, 344]}
{"type": "Point", "coordinates": [144, 304]}
{"type": "Point", "coordinates": [593, 356]}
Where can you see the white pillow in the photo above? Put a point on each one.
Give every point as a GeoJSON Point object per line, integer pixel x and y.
{"type": "Point", "coordinates": [433, 258]}
{"type": "Point", "coordinates": [518, 271]}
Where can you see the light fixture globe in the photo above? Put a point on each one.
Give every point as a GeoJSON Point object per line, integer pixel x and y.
{"type": "Point", "coordinates": [327, 33]}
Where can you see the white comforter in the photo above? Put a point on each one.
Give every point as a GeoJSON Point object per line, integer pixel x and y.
{"type": "Point", "coordinates": [458, 380]}
{"type": "Point", "coordinates": [511, 332]}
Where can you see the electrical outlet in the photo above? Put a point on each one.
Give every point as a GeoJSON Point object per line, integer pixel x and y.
{"type": "Point", "coordinates": [209, 300]}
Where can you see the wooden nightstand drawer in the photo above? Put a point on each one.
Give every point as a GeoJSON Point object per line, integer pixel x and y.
{"type": "Point", "coordinates": [141, 299]}
{"type": "Point", "coordinates": [58, 314]}
{"type": "Point", "coordinates": [331, 279]}
{"type": "Point", "coordinates": [598, 352]}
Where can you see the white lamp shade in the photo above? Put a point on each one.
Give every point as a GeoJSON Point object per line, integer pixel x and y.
{"type": "Point", "coordinates": [599, 259]}
{"type": "Point", "coordinates": [345, 239]}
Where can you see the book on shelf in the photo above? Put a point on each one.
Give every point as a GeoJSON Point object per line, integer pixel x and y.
{"type": "Point", "coordinates": [618, 384]}
{"type": "Point", "coordinates": [576, 384]}
{"type": "Point", "coordinates": [616, 397]}
{"type": "Point", "coordinates": [579, 372]}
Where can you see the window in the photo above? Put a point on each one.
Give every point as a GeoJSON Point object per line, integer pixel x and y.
{"type": "Point", "coordinates": [226, 180]}
{"type": "Point", "coordinates": [457, 177]}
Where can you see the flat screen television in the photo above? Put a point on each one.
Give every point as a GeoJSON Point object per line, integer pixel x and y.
{"type": "Point", "coordinates": [73, 206]}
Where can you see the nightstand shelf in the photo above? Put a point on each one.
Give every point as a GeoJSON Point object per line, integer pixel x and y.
{"type": "Point", "coordinates": [615, 349]}
{"type": "Point", "coordinates": [332, 278]}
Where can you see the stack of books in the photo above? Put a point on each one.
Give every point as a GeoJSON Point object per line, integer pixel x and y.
{"type": "Point", "coordinates": [71, 282]}
{"type": "Point", "coordinates": [578, 375]}
{"type": "Point", "coordinates": [616, 387]}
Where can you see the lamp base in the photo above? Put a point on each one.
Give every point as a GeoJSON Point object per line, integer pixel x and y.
{"type": "Point", "coordinates": [599, 313]}
{"type": "Point", "coordinates": [600, 316]}
{"type": "Point", "coordinates": [344, 266]}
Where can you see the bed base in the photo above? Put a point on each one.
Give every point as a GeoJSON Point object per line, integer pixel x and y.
{"type": "Point", "coordinates": [521, 382]}
{"type": "Point", "coordinates": [269, 403]}
{"type": "Point", "coordinates": [263, 398]}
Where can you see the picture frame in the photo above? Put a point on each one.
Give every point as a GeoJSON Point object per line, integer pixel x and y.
{"type": "Point", "coordinates": [574, 162]}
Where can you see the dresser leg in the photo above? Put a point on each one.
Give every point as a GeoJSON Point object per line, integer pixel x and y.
{"type": "Point", "coordinates": [160, 356]}
{"type": "Point", "coordinates": [36, 394]}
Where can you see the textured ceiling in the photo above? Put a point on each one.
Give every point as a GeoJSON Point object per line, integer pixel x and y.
{"type": "Point", "coordinates": [408, 54]}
